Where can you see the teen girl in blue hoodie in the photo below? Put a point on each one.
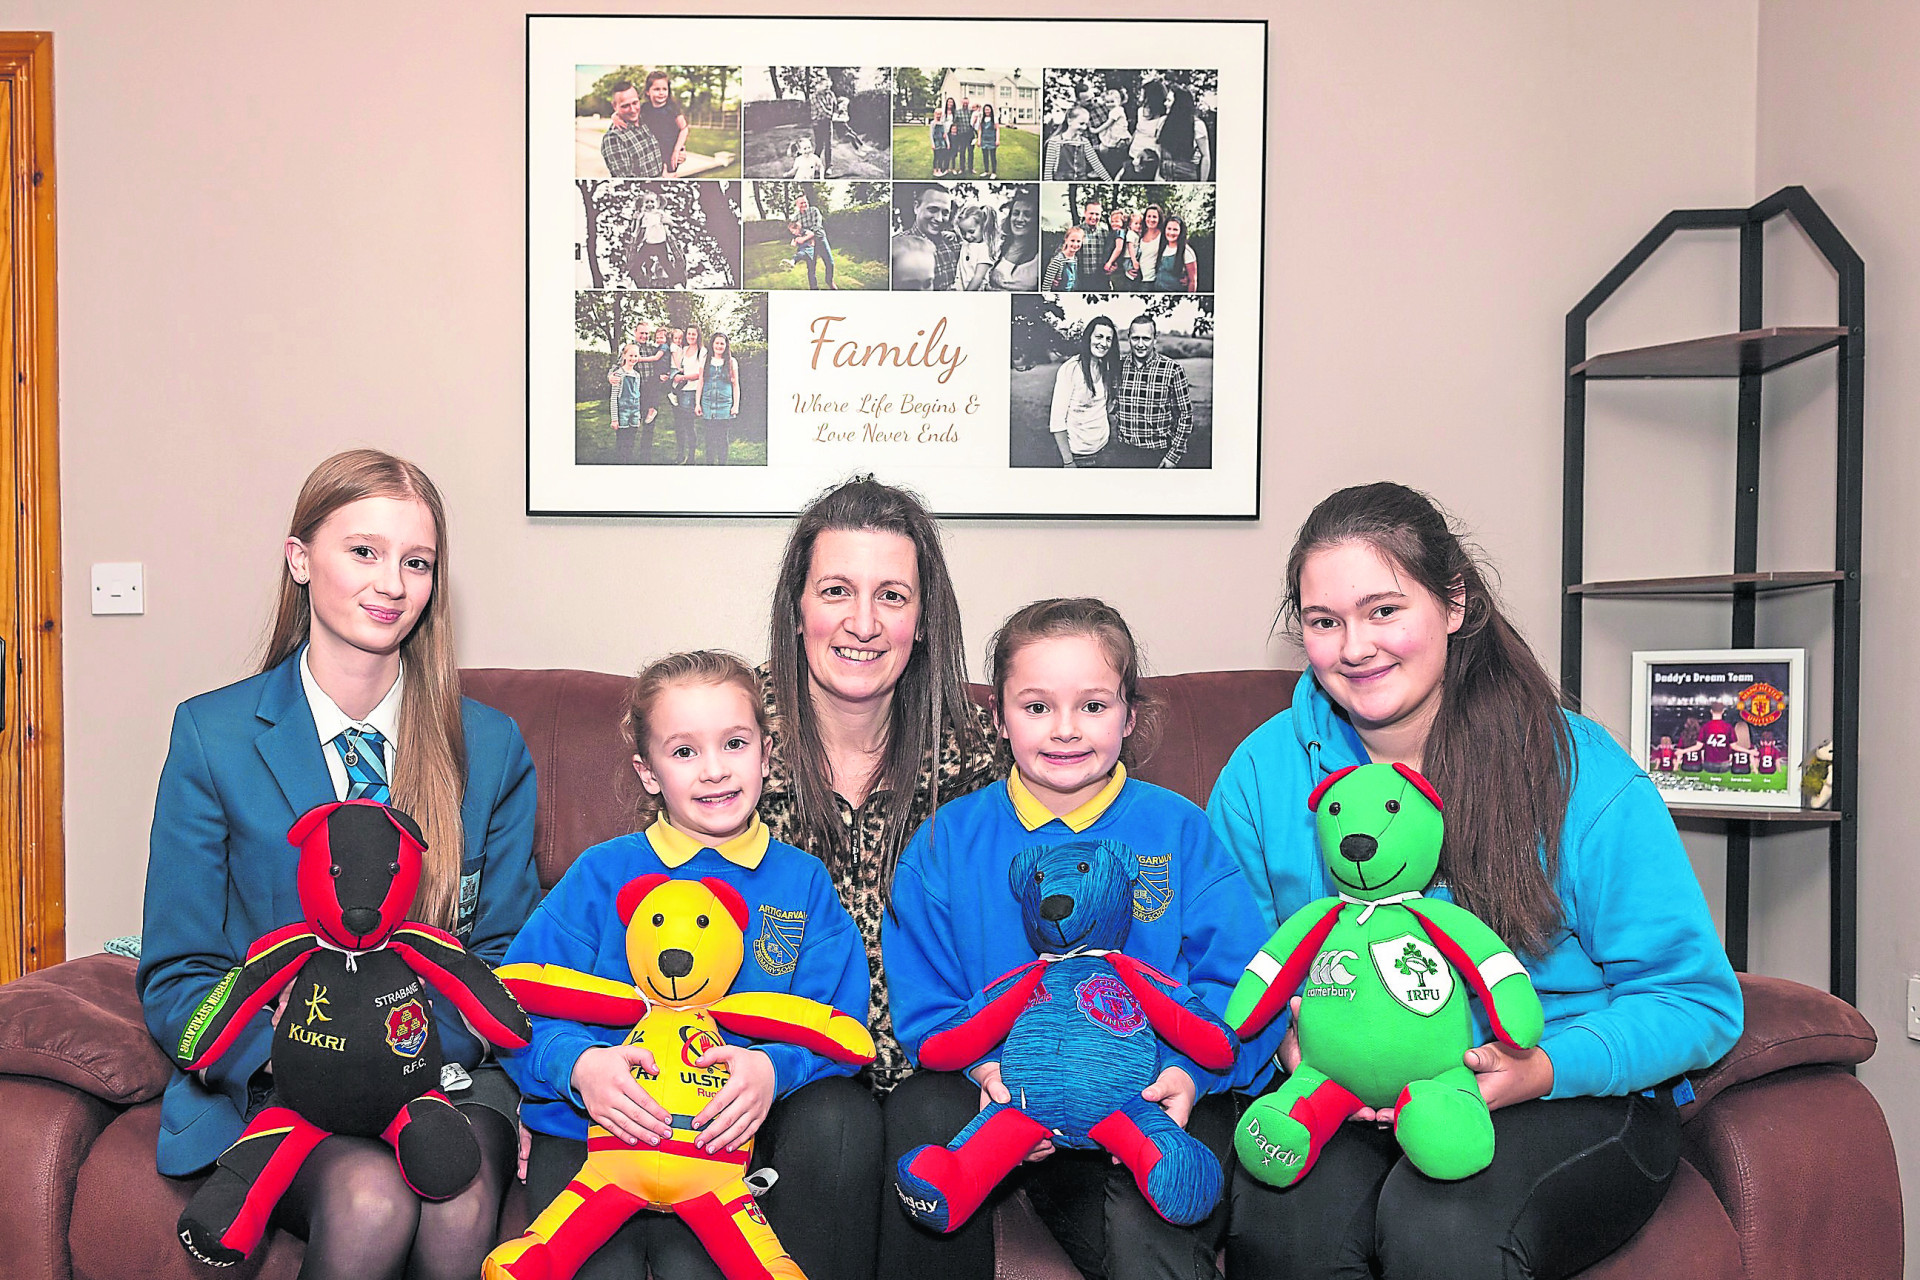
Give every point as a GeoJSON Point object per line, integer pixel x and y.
{"type": "Point", "coordinates": [1555, 838]}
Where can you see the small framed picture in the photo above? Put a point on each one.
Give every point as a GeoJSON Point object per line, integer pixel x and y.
{"type": "Point", "coordinates": [1721, 726]}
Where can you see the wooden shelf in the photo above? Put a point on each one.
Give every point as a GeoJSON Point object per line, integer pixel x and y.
{"type": "Point", "coordinates": [1743, 814]}
{"type": "Point", "coordinates": [1725, 355]}
{"type": "Point", "coordinates": [1711, 584]}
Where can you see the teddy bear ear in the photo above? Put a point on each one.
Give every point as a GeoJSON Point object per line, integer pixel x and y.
{"type": "Point", "coordinates": [628, 900]}
{"type": "Point", "coordinates": [729, 898]}
{"type": "Point", "coordinates": [1421, 784]}
{"type": "Point", "coordinates": [407, 826]}
{"type": "Point", "coordinates": [1313, 801]}
{"type": "Point", "coordinates": [305, 825]}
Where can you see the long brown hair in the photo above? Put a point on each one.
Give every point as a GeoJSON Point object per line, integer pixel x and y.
{"type": "Point", "coordinates": [702, 666]}
{"type": "Point", "coordinates": [930, 697]}
{"type": "Point", "coordinates": [430, 770]}
{"type": "Point", "coordinates": [1499, 750]}
{"type": "Point", "coordinates": [1099, 622]}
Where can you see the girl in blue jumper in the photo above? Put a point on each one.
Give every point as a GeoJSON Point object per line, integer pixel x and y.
{"type": "Point", "coordinates": [1066, 692]}
{"type": "Point", "coordinates": [699, 733]}
{"type": "Point", "coordinates": [1554, 838]}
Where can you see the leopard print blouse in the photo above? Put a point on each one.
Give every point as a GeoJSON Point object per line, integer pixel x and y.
{"type": "Point", "coordinates": [861, 891]}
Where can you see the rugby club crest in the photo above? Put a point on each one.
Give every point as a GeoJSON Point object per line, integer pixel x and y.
{"type": "Point", "coordinates": [777, 946]}
{"type": "Point", "coordinates": [1414, 973]}
{"type": "Point", "coordinates": [407, 1029]}
{"type": "Point", "coordinates": [1153, 891]}
{"type": "Point", "coordinates": [1106, 1001]}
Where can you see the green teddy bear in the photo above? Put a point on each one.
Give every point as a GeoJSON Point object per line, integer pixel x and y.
{"type": "Point", "coordinates": [1383, 1020]}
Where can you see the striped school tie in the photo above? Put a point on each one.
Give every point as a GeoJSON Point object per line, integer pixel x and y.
{"type": "Point", "coordinates": [366, 765]}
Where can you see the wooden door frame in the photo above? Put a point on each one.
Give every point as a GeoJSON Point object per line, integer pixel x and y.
{"type": "Point", "coordinates": [34, 704]}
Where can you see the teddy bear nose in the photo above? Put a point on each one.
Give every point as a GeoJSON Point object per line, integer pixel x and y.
{"type": "Point", "coordinates": [1056, 907]}
{"type": "Point", "coordinates": [676, 963]}
{"type": "Point", "coordinates": [1357, 847]}
{"type": "Point", "coordinates": [360, 920]}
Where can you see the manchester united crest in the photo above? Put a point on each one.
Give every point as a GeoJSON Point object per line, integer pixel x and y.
{"type": "Point", "coordinates": [407, 1028]}
{"type": "Point", "coordinates": [1106, 1001]}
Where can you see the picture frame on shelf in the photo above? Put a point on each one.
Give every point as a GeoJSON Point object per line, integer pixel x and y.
{"type": "Point", "coordinates": [1719, 727]}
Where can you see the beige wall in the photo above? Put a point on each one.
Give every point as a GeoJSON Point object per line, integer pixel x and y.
{"type": "Point", "coordinates": [285, 231]}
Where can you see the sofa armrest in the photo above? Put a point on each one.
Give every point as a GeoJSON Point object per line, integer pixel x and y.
{"type": "Point", "coordinates": [46, 1129]}
{"type": "Point", "coordinates": [80, 1023]}
{"type": "Point", "coordinates": [1788, 1024]}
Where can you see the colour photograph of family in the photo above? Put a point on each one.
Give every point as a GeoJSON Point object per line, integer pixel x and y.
{"type": "Point", "coordinates": [966, 236]}
{"type": "Point", "coordinates": [966, 122]}
{"type": "Point", "coordinates": [1130, 126]}
{"type": "Point", "coordinates": [1137, 237]}
{"type": "Point", "coordinates": [670, 378]}
{"type": "Point", "coordinates": [805, 124]}
{"type": "Point", "coordinates": [816, 235]}
{"type": "Point", "coordinates": [657, 235]}
{"type": "Point", "coordinates": [1112, 380]}
{"type": "Point", "coordinates": [656, 122]}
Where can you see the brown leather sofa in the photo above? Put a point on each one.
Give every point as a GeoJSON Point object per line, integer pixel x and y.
{"type": "Point", "coordinates": [1789, 1168]}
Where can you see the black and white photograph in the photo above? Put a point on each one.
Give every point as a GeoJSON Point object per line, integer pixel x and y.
{"type": "Point", "coordinates": [656, 122]}
{"type": "Point", "coordinates": [807, 124]}
{"type": "Point", "coordinates": [966, 236]}
{"type": "Point", "coordinates": [1121, 125]}
{"type": "Point", "coordinates": [1142, 238]}
{"type": "Point", "coordinates": [1109, 380]}
{"type": "Point", "coordinates": [966, 122]}
{"type": "Point", "coordinates": [1721, 726]}
{"type": "Point", "coordinates": [657, 235]}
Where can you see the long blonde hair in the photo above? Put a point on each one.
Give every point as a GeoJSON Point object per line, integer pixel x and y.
{"type": "Point", "coordinates": [430, 773]}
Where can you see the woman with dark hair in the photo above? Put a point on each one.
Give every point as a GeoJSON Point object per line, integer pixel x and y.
{"type": "Point", "coordinates": [1186, 152]}
{"type": "Point", "coordinates": [989, 141]}
{"type": "Point", "coordinates": [866, 680]}
{"type": "Point", "coordinates": [1554, 838]}
{"type": "Point", "coordinates": [1081, 392]}
{"type": "Point", "coordinates": [716, 395]}
{"type": "Point", "coordinates": [1175, 269]}
{"type": "Point", "coordinates": [357, 697]}
{"type": "Point", "coordinates": [1018, 266]}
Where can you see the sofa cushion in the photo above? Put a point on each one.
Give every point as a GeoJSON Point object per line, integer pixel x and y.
{"type": "Point", "coordinates": [1787, 1025]}
{"type": "Point", "coordinates": [80, 1023]}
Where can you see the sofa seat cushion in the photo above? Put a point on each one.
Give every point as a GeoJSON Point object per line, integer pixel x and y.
{"type": "Point", "coordinates": [1689, 1235]}
{"type": "Point", "coordinates": [124, 1214]}
{"type": "Point", "coordinates": [80, 1023]}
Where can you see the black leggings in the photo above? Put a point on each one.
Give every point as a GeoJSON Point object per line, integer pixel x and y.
{"type": "Point", "coordinates": [362, 1221]}
{"type": "Point", "coordinates": [1571, 1181]}
{"type": "Point", "coordinates": [823, 1139]}
{"type": "Point", "coordinates": [1089, 1203]}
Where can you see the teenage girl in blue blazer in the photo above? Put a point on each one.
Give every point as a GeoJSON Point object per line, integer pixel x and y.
{"type": "Point", "coordinates": [362, 640]}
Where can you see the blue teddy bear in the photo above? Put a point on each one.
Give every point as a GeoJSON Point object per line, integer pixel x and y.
{"type": "Point", "coordinates": [1085, 1029]}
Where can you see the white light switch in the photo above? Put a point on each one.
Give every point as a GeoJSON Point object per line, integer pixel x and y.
{"type": "Point", "coordinates": [120, 588]}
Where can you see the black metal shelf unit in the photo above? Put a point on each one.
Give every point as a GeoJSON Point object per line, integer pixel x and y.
{"type": "Point", "coordinates": [1746, 355]}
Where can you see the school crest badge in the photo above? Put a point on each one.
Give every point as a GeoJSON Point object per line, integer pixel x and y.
{"type": "Point", "coordinates": [407, 1027]}
{"type": "Point", "coordinates": [1153, 891]}
{"type": "Point", "coordinates": [1107, 1002]}
{"type": "Point", "coordinates": [777, 946]}
{"type": "Point", "coordinates": [1414, 973]}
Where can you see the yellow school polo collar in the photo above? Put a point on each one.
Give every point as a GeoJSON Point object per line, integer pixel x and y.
{"type": "Point", "coordinates": [675, 848]}
{"type": "Point", "coordinates": [1033, 815]}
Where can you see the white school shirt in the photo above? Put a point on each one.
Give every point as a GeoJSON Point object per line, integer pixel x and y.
{"type": "Point", "coordinates": [330, 721]}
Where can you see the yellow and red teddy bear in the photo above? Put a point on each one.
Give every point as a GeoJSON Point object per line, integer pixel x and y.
{"type": "Point", "coordinates": [682, 936]}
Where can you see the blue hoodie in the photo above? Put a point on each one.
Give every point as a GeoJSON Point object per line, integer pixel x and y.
{"type": "Point", "coordinates": [799, 940]}
{"type": "Point", "coordinates": [1636, 985]}
{"type": "Point", "coordinates": [955, 927]}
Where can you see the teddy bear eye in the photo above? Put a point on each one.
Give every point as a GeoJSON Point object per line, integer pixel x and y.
{"type": "Point", "coordinates": [1039, 876]}
{"type": "Point", "coordinates": [1393, 806]}
{"type": "Point", "coordinates": [658, 919]}
{"type": "Point", "coordinates": [1334, 808]}
{"type": "Point", "coordinates": [393, 868]}
{"type": "Point", "coordinates": [1085, 868]}
{"type": "Point", "coordinates": [334, 870]}
{"type": "Point", "coordinates": [702, 922]}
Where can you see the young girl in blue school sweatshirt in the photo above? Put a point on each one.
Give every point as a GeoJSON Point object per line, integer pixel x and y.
{"type": "Point", "coordinates": [1066, 678]}
{"type": "Point", "coordinates": [699, 733]}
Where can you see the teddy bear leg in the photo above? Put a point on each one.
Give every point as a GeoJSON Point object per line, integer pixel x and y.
{"type": "Point", "coordinates": [435, 1147]}
{"type": "Point", "coordinates": [567, 1232]}
{"type": "Point", "coordinates": [1443, 1125]}
{"type": "Point", "coordinates": [941, 1187]}
{"type": "Point", "coordinates": [1282, 1133]}
{"type": "Point", "coordinates": [1174, 1170]}
{"type": "Point", "coordinates": [228, 1215]}
{"type": "Point", "coordinates": [735, 1232]}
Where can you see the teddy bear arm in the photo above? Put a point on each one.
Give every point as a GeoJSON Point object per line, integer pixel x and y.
{"type": "Point", "coordinates": [1278, 968]}
{"type": "Point", "coordinates": [247, 989]}
{"type": "Point", "coordinates": [790, 1019]}
{"type": "Point", "coordinates": [1492, 971]}
{"type": "Point", "coordinates": [1178, 1014]}
{"type": "Point", "coordinates": [555, 991]}
{"type": "Point", "coordinates": [973, 1033]}
{"type": "Point", "coordinates": [465, 979]}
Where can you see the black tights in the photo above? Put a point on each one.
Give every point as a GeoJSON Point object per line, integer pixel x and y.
{"type": "Point", "coordinates": [363, 1222]}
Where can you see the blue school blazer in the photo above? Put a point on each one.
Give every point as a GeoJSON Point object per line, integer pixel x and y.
{"type": "Point", "coordinates": [244, 762]}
